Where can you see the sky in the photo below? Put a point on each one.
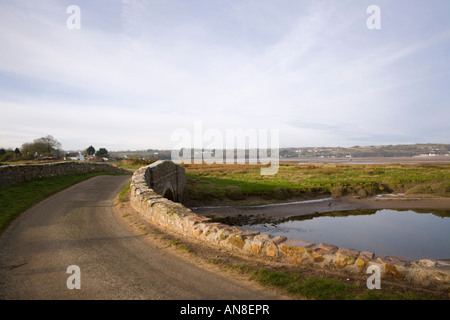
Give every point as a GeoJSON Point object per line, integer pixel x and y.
{"type": "Point", "coordinates": [126, 75]}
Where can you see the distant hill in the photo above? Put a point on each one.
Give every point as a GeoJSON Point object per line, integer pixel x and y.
{"type": "Point", "coordinates": [408, 150]}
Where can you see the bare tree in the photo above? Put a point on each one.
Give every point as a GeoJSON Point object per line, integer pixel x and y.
{"type": "Point", "coordinates": [44, 145]}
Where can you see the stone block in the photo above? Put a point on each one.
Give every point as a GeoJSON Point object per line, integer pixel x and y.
{"type": "Point", "coordinates": [256, 247]}
{"type": "Point", "coordinates": [294, 247]}
{"type": "Point", "coordinates": [360, 263]}
{"type": "Point", "coordinates": [279, 239]}
{"type": "Point", "coordinates": [393, 260]}
{"type": "Point", "coordinates": [345, 257]}
{"type": "Point", "coordinates": [329, 260]}
{"type": "Point", "coordinates": [246, 234]}
{"type": "Point", "coordinates": [236, 240]}
{"type": "Point", "coordinates": [393, 266]}
{"type": "Point", "coordinates": [262, 237]}
{"type": "Point", "coordinates": [264, 244]}
{"type": "Point", "coordinates": [427, 263]}
{"type": "Point", "coordinates": [296, 260]}
{"type": "Point", "coordinates": [316, 256]}
{"type": "Point", "coordinates": [363, 259]}
{"type": "Point", "coordinates": [326, 248]}
{"type": "Point", "coordinates": [194, 219]}
{"type": "Point", "coordinates": [271, 249]}
{"type": "Point", "coordinates": [366, 255]}
{"type": "Point", "coordinates": [196, 231]}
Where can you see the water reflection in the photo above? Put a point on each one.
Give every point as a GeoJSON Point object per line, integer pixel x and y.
{"type": "Point", "coordinates": [413, 234]}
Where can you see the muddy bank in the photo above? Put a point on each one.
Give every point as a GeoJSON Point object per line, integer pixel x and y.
{"type": "Point", "coordinates": [279, 211]}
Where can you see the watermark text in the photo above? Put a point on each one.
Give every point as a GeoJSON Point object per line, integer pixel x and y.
{"type": "Point", "coordinates": [234, 146]}
{"type": "Point", "coordinates": [74, 280]}
{"type": "Point", "coordinates": [73, 22]}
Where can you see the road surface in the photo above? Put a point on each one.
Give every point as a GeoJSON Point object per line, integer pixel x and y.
{"type": "Point", "coordinates": [77, 227]}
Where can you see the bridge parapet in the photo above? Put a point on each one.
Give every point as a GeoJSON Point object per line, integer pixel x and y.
{"type": "Point", "coordinates": [166, 178]}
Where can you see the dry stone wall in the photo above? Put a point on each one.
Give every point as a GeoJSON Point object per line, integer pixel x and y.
{"type": "Point", "coordinates": [174, 216]}
{"type": "Point", "coordinates": [13, 174]}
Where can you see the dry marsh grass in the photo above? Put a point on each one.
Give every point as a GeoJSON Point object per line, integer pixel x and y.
{"type": "Point", "coordinates": [208, 182]}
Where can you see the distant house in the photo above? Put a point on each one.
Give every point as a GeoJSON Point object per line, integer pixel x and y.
{"type": "Point", "coordinates": [74, 156]}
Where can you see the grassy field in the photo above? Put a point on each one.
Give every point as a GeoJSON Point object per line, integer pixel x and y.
{"type": "Point", "coordinates": [134, 164]}
{"type": "Point", "coordinates": [237, 182]}
{"type": "Point", "coordinates": [17, 198]}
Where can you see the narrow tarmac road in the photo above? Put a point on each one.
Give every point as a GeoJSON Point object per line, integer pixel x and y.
{"type": "Point", "coordinates": [77, 227]}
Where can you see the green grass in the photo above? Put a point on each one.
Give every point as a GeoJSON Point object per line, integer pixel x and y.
{"type": "Point", "coordinates": [128, 165]}
{"type": "Point", "coordinates": [124, 192]}
{"type": "Point", "coordinates": [325, 288]}
{"type": "Point", "coordinates": [180, 246]}
{"type": "Point", "coordinates": [17, 198]}
{"type": "Point", "coordinates": [134, 164]}
{"type": "Point", "coordinates": [310, 288]}
{"type": "Point", "coordinates": [236, 182]}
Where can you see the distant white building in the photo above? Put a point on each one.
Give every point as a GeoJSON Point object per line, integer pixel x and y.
{"type": "Point", "coordinates": [74, 156]}
{"type": "Point", "coordinates": [427, 155]}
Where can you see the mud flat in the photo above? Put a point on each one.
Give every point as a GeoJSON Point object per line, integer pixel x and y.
{"type": "Point", "coordinates": [280, 211]}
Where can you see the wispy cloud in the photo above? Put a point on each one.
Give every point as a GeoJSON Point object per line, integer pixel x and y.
{"type": "Point", "coordinates": [311, 69]}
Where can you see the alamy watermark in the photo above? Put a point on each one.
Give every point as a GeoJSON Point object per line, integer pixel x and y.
{"type": "Point", "coordinates": [74, 280]}
{"type": "Point", "coordinates": [374, 281]}
{"type": "Point", "coordinates": [232, 146]}
{"type": "Point", "coordinates": [73, 22]}
{"type": "Point", "coordinates": [373, 22]}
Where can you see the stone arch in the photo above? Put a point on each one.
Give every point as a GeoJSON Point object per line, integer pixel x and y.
{"type": "Point", "coordinates": [168, 194]}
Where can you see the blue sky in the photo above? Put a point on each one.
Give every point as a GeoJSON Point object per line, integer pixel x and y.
{"type": "Point", "coordinates": [137, 71]}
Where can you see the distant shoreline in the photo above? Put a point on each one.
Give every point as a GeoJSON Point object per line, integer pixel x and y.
{"type": "Point", "coordinates": [371, 160]}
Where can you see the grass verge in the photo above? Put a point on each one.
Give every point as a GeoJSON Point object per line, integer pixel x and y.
{"type": "Point", "coordinates": [124, 193]}
{"type": "Point", "coordinates": [134, 164]}
{"type": "Point", "coordinates": [180, 246]}
{"type": "Point", "coordinates": [17, 198]}
{"type": "Point", "coordinates": [321, 288]}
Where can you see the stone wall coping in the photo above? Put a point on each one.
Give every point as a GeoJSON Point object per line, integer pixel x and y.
{"type": "Point", "coordinates": [13, 174]}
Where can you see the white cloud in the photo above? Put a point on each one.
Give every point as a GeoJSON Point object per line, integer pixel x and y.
{"type": "Point", "coordinates": [310, 69]}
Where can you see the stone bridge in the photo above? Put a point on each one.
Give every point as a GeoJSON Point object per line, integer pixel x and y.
{"type": "Point", "coordinates": [167, 179]}
{"type": "Point", "coordinates": [156, 193]}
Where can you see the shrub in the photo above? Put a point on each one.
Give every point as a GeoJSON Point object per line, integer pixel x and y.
{"type": "Point", "coordinates": [9, 156]}
{"type": "Point", "coordinates": [419, 189]}
{"type": "Point", "coordinates": [339, 191]}
{"type": "Point", "coordinates": [362, 193]}
{"type": "Point", "coordinates": [235, 193]}
{"type": "Point", "coordinates": [211, 193]}
{"type": "Point", "coordinates": [281, 193]}
{"type": "Point", "coordinates": [437, 188]}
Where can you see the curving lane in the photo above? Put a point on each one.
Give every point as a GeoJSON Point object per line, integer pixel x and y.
{"type": "Point", "coordinates": [77, 227]}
